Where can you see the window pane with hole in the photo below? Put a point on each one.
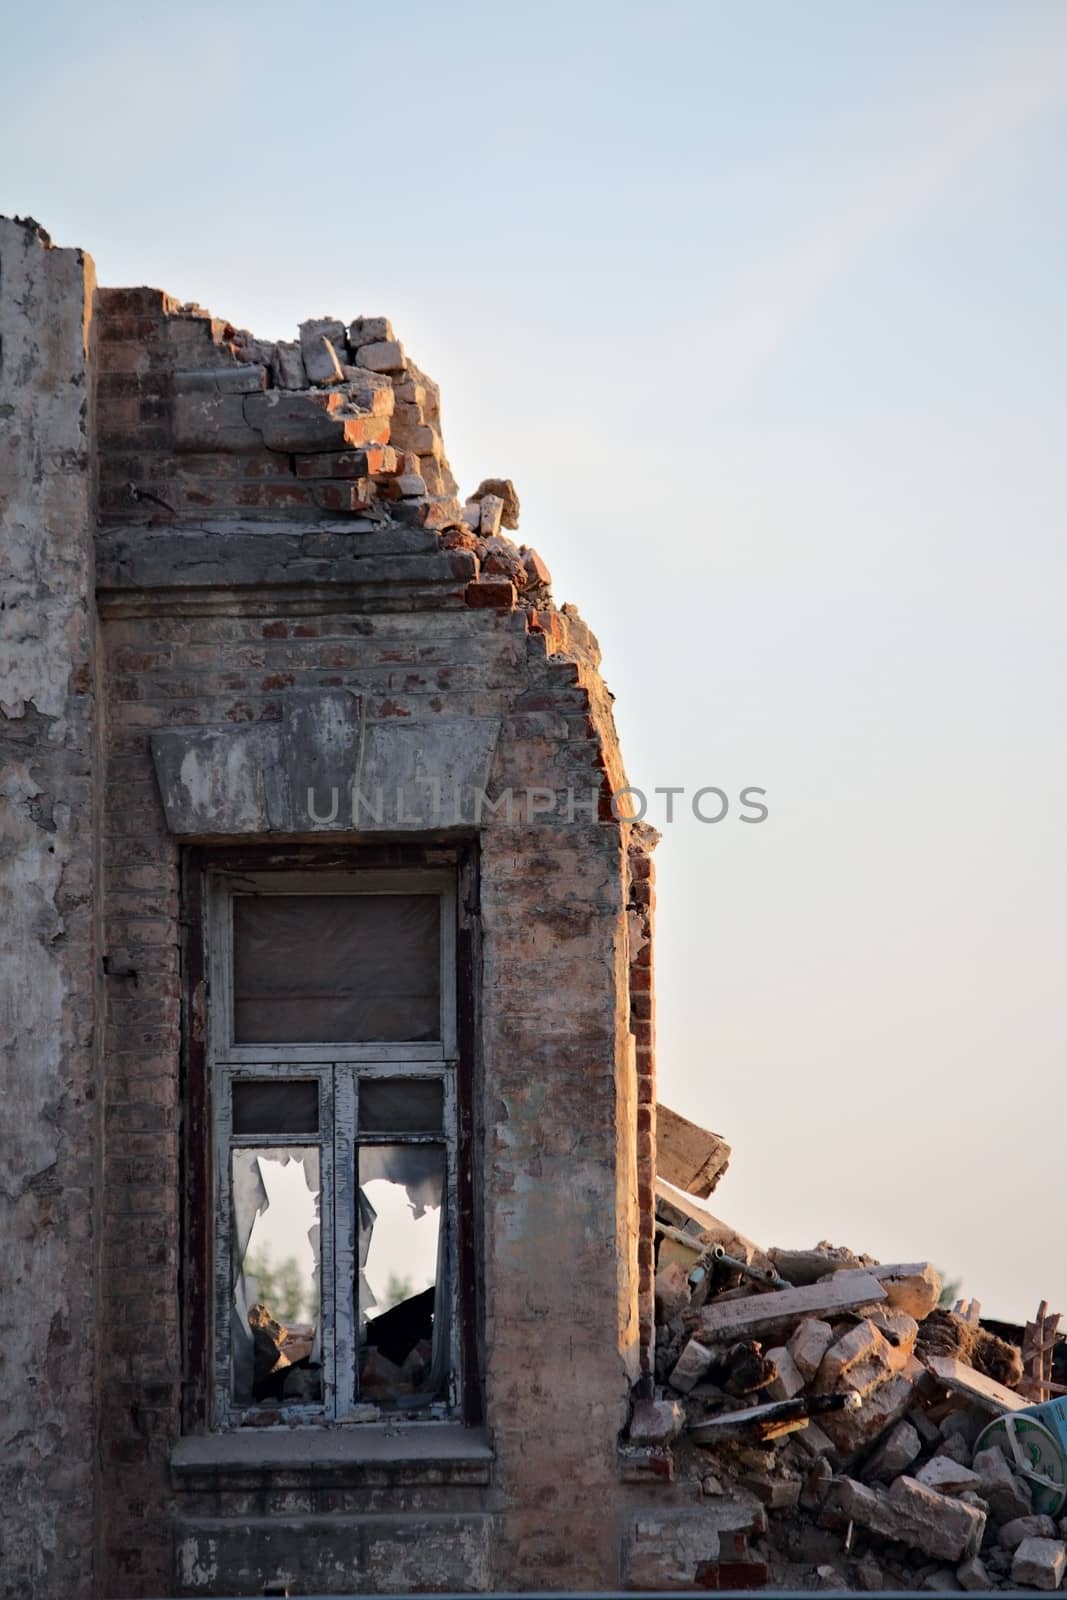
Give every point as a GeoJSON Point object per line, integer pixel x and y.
{"type": "Point", "coordinates": [275, 1338]}
{"type": "Point", "coordinates": [336, 968]}
{"type": "Point", "coordinates": [403, 1345]}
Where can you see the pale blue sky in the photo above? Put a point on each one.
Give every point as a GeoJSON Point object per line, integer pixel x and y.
{"type": "Point", "coordinates": [761, 305]}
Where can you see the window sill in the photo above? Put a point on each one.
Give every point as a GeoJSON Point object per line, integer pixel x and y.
{"type": "Point", "coordinates": [371, 1455]}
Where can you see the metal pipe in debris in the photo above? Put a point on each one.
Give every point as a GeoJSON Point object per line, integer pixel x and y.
{"type": "Point", "coordinates": [765, 1275]}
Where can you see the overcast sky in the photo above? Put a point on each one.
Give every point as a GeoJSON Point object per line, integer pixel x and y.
{"type": "Point", "coordinates": [761, 305]}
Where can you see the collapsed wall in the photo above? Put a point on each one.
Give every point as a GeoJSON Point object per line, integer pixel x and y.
{"type": "Point", "coordinates": [200, 421]}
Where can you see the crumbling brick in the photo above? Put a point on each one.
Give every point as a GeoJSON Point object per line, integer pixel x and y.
{"type": "Point", "coordinates": [322, 344]}
{"type": "Point", "coordinates": [496, 593]}
{"type": "Point", "coordinates": [384, 356]}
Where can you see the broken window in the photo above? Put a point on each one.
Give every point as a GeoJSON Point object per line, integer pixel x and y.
{"type": "Point", "coordinates": [332, 1040]}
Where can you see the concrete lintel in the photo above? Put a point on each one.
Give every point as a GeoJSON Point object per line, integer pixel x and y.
{"type": "Point", "coordinates": [304, 774]}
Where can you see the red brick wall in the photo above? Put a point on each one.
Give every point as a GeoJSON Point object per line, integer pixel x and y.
{"type": "Point", "coordinates": [143, 337]}
{"type": "Point", "coordinates": [643, 1026]}
{"type": "Point", "coordinates": [175, 388]}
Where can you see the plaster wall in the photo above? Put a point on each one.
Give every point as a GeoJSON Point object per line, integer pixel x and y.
{"type": "Point", "coordinates": [48, 948]}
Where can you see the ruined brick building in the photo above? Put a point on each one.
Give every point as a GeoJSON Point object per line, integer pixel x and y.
{"type": "Point", "coordinates": [326, 1205]}
{"type": "Point", "coordinates": [343, 1244]}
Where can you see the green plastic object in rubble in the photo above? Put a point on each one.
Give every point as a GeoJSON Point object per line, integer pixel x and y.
{"type": "Point", "coordinates": [1035, 1443]}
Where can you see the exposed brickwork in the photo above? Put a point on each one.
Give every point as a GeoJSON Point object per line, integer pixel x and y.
{"type": "Point", "coordinates": [642, 909]}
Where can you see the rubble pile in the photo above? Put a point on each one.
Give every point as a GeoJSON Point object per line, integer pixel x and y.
{"type": "Point", "coordinates": [281, 1357]}
{"type": "Point", "coordinates": [837, 1419]}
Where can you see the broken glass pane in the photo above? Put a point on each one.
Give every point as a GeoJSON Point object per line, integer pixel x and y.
{"type": "Point", "coordinates": [275, 1340]}
{"type": "Point", "coordinates": [402, 1287]}
{"type": "Point", "coordinates": [319, 968]}
{"type": "Point", "coordinates": [271, 1105]}
{"type": "Point", "coordinates": [401, 1105]}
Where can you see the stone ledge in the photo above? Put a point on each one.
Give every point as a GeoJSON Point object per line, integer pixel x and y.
{"type": "Point", "coordinates": [360, 1455]}
{"type": "Point", "coordinates": [220, 557]}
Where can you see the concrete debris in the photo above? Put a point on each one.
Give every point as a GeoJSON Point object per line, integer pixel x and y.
{"type": "Point", "coordinates": [846, 1401]}
{"type": "Point", "coordinates": [955, 1448]}
{"type": "Point", "coordinates": [974, 1574]}
{"type": "Point", "coordinates": [692, 1365]}
{"type": "Point", "coordinates": [490, 510]}
{"type": "Point", "coordinates": [656, 1421]}
{"type": "Point", "coordinates": [913, 1289]}
{"type": "Point", "coordinates": [946, 1475]}
{"type": "Point", "coordinates": [808, 1343]}
{"type": "Point", "coordinates": [386, 356]}
{"type": "Point", "coordinates": [816, 1485]}
{"type": "Point", "coordinates": [287, 367]}
{"type": "Point", "coordinates": [678, 1209]}
{"type": "Point", "coordinates": [322, 342]}
{"type": "Point", "coordinates": [789, 1379]}
{"type": "Point", "coordinates": [370, 330]}
{"type": "Point", "coordinates": [688, 1156]}
{"type": "Point", "coordinates": [869, 1574]}
{"type": "Point", "coordinates": [860, 1360]}
{"type": "Point", "coordinates": [854, 1431]}
{"type": "Point", "coordinates": [1012, 1534]}
{"type": "Point", "coordinates": [961, 1424]}
{"type": "Point", "coordinates": [1040, 1562]}
{"type": "Point", "coordinates": [898, 1449]}
{"type": "Point", "coordinates": [960, 1379]}
{"type": "Point", "coordinates": [503, 489]}
{"type": "Point", "coordinates": [800, 1267]}
{"type": "Point", "coordinates": [1007, 1495]}
{"type": "Point", "coordinates": [911, 1514]}
{"type": "Point", "coordinates": [768, 1315]}
{"type": "Point", "coordinates": [672, 1291]}
{"type": "Point", "coordinates": [941, 1581]}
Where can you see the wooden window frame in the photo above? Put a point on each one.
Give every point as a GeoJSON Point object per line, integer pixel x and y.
{"type": "Point", "coordinates": [211, 1061]}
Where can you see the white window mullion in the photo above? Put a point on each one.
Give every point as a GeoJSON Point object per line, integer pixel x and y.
{"type": "Point", "coordinates": [339, 1068]}
{"type": "Point", "coordinates": [327, 1240]}
{"type": "Point", "coordinates": [449, 1221]}
{"type": "Point", "coordinates": [223, 1256]}
{"type": "Point", "coordinates": [346, 1269]}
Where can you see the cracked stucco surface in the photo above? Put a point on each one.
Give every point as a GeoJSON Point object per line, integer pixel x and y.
{"type": "Point", "coordinates": [47, 947]}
